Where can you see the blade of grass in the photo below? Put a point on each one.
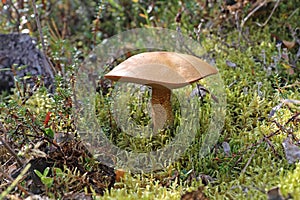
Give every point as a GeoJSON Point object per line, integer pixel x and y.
{"type": "Point", "coordinates": [15, 182]}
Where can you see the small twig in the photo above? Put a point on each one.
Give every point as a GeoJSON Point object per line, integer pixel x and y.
{"type": "Point", "coordinates": [17, 15]}
{"type": "Point", "coordinates": [182, 41]}
{"type": "Point", "coordinates": [47, 139]}
{"type": "Point", "coordinates": [282, 128]}
{"type": "Point", "coordinates": [294, 117]}
{"type": "Point", "coordinates": [188, 49]}
{"type": "Point", "coordinates": [248, 162]}
{"type": "Point", "coordinates": [238, 160]}
{"type": "Point", "coordinates": [9, 149]}
{"type": "Point", "coordinates": [272, 147]}
{"type": "Point", "coordinates": [252, 12]}
{"type": "Point", "coordinates": [12, 180]}
{"type": "Point", "coordinates": [276, 5]}
{"type": "Point", "coordinates": [234, 82]}
{"type": "Point", "coordinates": [38, 23]}
{"type": "Point", "coordinates": [201, 87]}
{"type": "Point", "coordinates": [15, 182]}
{"type": "Point", "coordinates": [31, 92]}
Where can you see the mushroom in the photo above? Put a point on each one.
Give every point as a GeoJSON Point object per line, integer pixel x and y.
{"type": "Point", "coordinates": [162, 71]}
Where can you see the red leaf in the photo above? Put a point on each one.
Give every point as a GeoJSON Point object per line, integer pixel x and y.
{"type": "Point", "coordinates": [47, 118]}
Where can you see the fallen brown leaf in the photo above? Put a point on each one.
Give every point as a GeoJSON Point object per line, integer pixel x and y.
{"type": "Point", "coordinates": [289, 44]}
{"type": "Point", "coordinates": [274, 194]}
{"type": "Point", "coordinates": [195, 195]}
{"type": "Point", "coordinates": [292, 151]}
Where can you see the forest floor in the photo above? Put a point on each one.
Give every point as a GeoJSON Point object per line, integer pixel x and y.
{"type": "Point", "coordinates": [255, 45]}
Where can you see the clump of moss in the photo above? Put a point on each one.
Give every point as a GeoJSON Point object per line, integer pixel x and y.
{"type": "Point", "coordinates": [289, 182]}
{"type": "Point", "coordinates": [129, 124]}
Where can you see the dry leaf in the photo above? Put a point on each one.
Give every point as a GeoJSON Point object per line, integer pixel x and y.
{"type": "Point", "coordinates": [274, 194]}
{"type": "Point", "coordinates": [226, 148]}
{"type": "Point", "coordinates": [292, 151]}
{"type": "Point", "coordinates": [274, 110]}
{"type": "Point", "coordinates": [230, 64]}
{"type": "Point", "coordinates": [195, 195]}
{"type": "Point", "coordinates": [291, 101]}
{"type": "Point", "coordinates": [283, 102]}
{"type": "Point", "coordinates": [206, 179]}
{"type": "Point", "coordinates": [288, 44]}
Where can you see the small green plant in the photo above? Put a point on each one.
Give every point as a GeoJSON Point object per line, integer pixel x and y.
{"type": "Point", "coordinates": [46, 180]}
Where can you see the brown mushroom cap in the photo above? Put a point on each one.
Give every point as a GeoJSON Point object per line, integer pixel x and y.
{"type": "Point", "coordinates": [168, 69]}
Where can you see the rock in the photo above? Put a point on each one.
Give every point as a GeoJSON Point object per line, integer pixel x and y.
{"type": "Point", "coordinates": [20, 57]}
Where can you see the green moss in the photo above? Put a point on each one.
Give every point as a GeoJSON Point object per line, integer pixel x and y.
{"type": "Point", "coordinates": [252, 92]}
{"type": "Point", "coordinates": [254, 166]}
{"type": "Point", "coordinates": [290, 183]}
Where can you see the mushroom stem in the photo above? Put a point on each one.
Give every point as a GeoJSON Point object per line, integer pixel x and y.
{"type": "Point", "coordinates": [162, 114]}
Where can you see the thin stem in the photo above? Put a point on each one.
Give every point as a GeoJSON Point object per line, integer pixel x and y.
{"type": "Point", "coordinates": [161, 108]}
{"type": "Point", "coordinates": [38, 23]}
{"type": "Point", "coordinates": [9, 149]}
